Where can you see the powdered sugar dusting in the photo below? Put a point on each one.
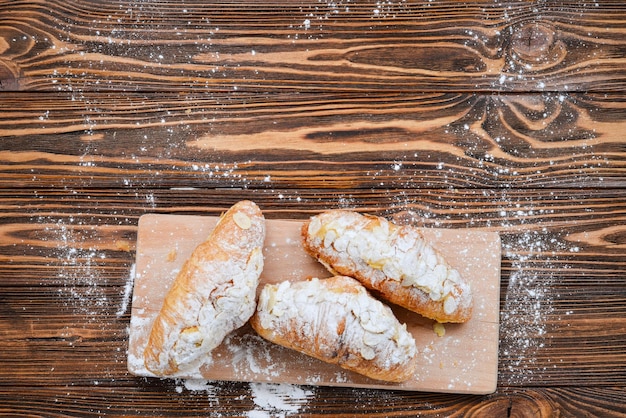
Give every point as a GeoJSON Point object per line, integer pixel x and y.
{"type": "Point", "coordinates": [78, 258]}
{"type": "Point", "coordinates": [251, 355]}
{"type": "Point", "coordinates": [198, 385]}
{"type": "Point", "coordinates": [210, 388]}
{"type": "Point", "coordinates": [128, 290]}
{"type": "Point", "coordinates": [275, 400]}
{"type": "Point", "coordinates": [373, 335]}
{"type": "Point", "coordinates": [534, 255]}
{"type": "Point", "coordinates": [527, 304]}
{"type": "Point", "coordinates": [278, 400]}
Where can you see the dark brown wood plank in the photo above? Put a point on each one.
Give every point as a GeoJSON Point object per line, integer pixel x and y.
{"type": "Point", "coordinates": [302, 46]}
{"type": "Point", "coordinates": [174, 399]}
{"type": "Point", "coordinates": [507, 116]}
{"type": "Point", "coordinates": [381, 141]}
{"type": "Point", "coordinates": [568, 224]}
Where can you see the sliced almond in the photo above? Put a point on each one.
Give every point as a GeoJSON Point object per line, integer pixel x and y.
{"type": "Point", "coordinates": [242, 220]}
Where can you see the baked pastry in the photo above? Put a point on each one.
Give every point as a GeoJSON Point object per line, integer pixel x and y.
{"type": "Point", "coordinates": [394, 260]}
{"type": "Point", "coordinates": [337, 321]}
{"type": "Point", "coordinates": [213, 294]}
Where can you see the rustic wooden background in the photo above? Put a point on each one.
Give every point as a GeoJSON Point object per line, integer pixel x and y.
{"type": "Point", "coordinates": [507, 116]}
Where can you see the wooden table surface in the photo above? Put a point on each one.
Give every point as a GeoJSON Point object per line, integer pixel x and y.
{"type": "Point", "coordinates": [505, 116]}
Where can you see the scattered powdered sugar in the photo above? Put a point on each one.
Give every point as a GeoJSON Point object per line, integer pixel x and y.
{"type": "Point", "coordinates": [198, 385]}
{"type": "Point", "coordinates": [252, 354]}
{"type": "Point", "coordinates": [277, 399]}
{"type": "Point", "coordinates": [529, 301]}
{"type": "Point", "coordinates": [211, 389]}
{"type": "Point", "coordinates": [534, 256]}
{"type": "Point", "coordinates": [128, 290]}
{"type": "Point", "coordinates": [78, 261]}
{"type": "Point", "coordinates": [79, 257]}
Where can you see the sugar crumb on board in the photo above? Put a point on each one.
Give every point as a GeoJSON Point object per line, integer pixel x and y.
{"type": "Point", "coordinates": [251, 354]}
{"type": "Point", "coordinates": [439, 329]}
{"type": "Point", "coordinates": [172, 255]}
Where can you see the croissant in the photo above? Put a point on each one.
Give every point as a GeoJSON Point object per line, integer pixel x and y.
{"type": "Point", "coordinates": [336, 320]}
{"type": "Point", "coordinates": [396, 261]}
{"type": "Point", "coordinates": [213, 294]}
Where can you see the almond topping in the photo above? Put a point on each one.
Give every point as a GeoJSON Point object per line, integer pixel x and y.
{"type": "Point", "coordinates": [242, 220]}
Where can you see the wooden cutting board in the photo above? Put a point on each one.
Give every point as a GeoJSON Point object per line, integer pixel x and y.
{"type": "Point", "coordinates": [463, 360]}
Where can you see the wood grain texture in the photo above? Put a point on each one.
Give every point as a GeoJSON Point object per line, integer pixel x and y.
{"type": "Point", "coordinates": [234, 399]}
{"type": "Point", "coordinates": [67, 256]}
{"type": "Point", "coordinates": [162, 399]}
{"type": "Point", "coordinates": [312, 46]}
{"type": "Point", "coordinates": [313, 141]}
{"type": "Point", "coordinates": [505, 116]}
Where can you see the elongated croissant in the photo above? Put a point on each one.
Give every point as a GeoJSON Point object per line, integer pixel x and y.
{"type": "Point", "coordinates": [395, 261]}
{"type": "Point", "coordinates": [214, 293]}
{"type": "Point", "coordinates": [336, 320]}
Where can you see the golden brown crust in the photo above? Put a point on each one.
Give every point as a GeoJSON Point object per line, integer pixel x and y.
{"type": "Point", "coordinates": [337, 321]}
{"type": "Point", "coordinates": [213, 294]}
{"type": "Point", "coordinates": [395, 261]}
